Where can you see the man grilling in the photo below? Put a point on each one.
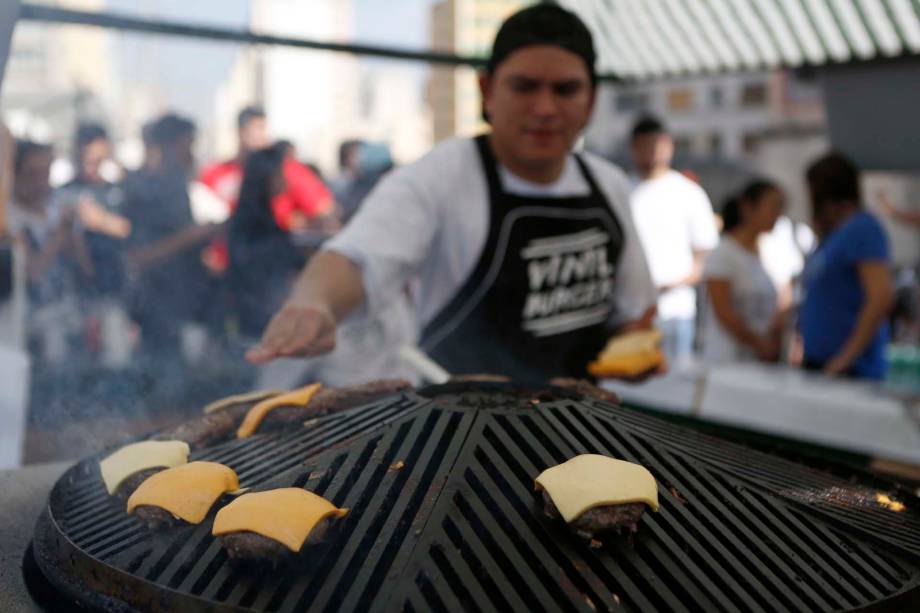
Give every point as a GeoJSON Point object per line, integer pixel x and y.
{"type": "Point", "coordinates": [522, 254]}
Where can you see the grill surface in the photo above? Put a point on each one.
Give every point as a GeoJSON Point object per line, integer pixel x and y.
{"type": "Point", "coordinates": [444, 517]}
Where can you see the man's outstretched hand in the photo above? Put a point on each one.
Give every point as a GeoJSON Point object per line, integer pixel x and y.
{"type": "Point", "coordinates": [297, 330]}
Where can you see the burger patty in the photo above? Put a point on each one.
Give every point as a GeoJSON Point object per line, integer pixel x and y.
{"type": "Point", "coordinates": [479, 378]}
{"type": "Point", "coordinates": [156, 518]}
{"type": "Point", "coordinates": [600, 520]}
{"type": "Point", "coordinates": [586, 388]}
{"type": "Point", "coordinates": [332, 400]}
{"type": "Point", "coordinates": [253, 547]}
{"type": "Point", "coordinates": [127, 487]}
{"type": "Point", "coordinates": [207, 429]}
{"type": "Point", "coordinates": [221, 425]}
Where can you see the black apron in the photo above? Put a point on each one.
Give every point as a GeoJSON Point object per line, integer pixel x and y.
{"type": "Point", "coordinates": [539, 299]}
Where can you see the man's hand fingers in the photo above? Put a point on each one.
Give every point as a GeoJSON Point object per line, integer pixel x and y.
{"type": "Point", "coordinates": [296, 331]}
{"type": "Point", "coordinates": [259, 355]}
{"type": "Point", "coordinates": [309, 326]}
{"type": "Point", "coordinates": [274, 339]}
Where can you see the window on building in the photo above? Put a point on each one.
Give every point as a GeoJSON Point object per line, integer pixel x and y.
{"type": "Point", "coordinates": [750, 143]}
{"type": "Point", "coordinates": [680, 100]}
{"type": "Point", "coordinates": [628, 102]}
{"type": "Point", "coordinates": [716, 97]}
{"type": "Point", "coordinates": [715, 144]}
{"type": "Point", "coordinates": [754, 95]}
{"type": "Point", "coordinates": [682, 144]}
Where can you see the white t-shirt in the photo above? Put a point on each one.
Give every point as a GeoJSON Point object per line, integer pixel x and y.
{"type": "Point", "coordinates": [783, 250]}
{"type": "Point", "coordinates": [425, 224]}
{"type": "Point", "coordinates": [753, 295]}
{"type": "Point", "coordinates": [674, 217]}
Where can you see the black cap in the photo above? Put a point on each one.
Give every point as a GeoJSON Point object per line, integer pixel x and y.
{"type": "Point", "coordinates": [544, 24]}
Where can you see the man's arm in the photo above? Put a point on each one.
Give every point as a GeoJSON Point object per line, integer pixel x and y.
{"type": "Point", "coordinates": [328, 290]}
{"type": "Point", "coordinates": [166, 248]}
{"type": "Point", "coordinates": [889, 209]}
{"type": "Point", "coordinates": [694, 276]}
{"type": "Point", "coordinates": [97, 218]}
{"type": "Point", "coordinates": [368, 264]}
{"type": "Point", "coordinates": [875, 278]}
{"type": "Point", "coordinates": [704, 236]}
{"type": "Point", "coordinates": [909, 217]}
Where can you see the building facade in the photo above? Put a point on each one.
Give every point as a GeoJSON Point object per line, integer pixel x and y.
{"type": "Point", "coordinates": [467, 28]}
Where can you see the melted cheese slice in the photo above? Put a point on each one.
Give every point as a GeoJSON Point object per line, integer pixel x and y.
{"type": "Point", "coordinates": [136, 457]}
{"type": "Point", "coordinates": [628, 355]}
{"type": "Point", "coordinates": [287, 515]}
{"type": "Point", "coordinates": [589, 481]}
{"type": "Point", "coordinates": [188, 491]}
{"type": "Point", "coordinates": [223, 403]}
{"type": "Point", "coordinates": [256, 414]}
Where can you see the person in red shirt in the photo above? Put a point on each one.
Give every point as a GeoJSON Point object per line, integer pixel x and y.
{"type": "Point", "coordinates": [306, 202]}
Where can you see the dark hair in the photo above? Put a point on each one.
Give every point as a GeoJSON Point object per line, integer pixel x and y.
{"type": "Point", "coordinates": [25, 148]}
{"type": "Point", "coordinates": [647, 124]}
{"type": "Point", "coordinates": [253, 215]}
{"type": "Point", "coordinates": [544, 24]}
{"type": "Point", "coordinates": [170, 128]}
{"type": "Point", "coordinates": [147, 132]}
{"type": "Point", "coordinates": [752, 193]}
{"type": "Point", "coordinates": [345, 149]}
{"type": "Point", "coordinates": [248, 114]}
{"type": "Point", "coordinates": [89, 132]}
{"type": "Point", "coordinates": [833, 178]}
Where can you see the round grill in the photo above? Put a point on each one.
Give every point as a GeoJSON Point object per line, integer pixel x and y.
{"type": "Point", "coordinates": [445, 517]}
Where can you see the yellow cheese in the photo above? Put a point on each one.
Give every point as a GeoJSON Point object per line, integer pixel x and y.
{"type": "Point", "coordinates": [188, 491]}
{"type": "Point", "coordinates": [136, 457]}
{"type": "Point", "coordinates": [629, 355]}
{"type": "Point", "coordinates": [223, 403]}
{"type": "Point", "coordinates": [589, 481]}
{"type": "Point", "coordinates": [287, 515]}
{"type": "Point", "coordinates": [256, 414]}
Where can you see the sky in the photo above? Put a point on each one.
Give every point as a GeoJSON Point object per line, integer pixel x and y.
{"type": "Point", "coordinates": [402, 23]}
{"type": "Point", "coordinates": [192, 70]}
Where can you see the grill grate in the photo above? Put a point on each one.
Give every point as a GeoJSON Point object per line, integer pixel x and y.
{"type": "Point", "coordinates": [444, 517]}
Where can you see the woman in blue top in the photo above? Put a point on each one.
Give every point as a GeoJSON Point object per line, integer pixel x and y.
{"type": "Point", "coordinates": [847, 281]}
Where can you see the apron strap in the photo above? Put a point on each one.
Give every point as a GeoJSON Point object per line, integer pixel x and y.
{"type": "Point", "coordinates": [589, 176]}
{"type": "Point", "coordinates": [490, 167]}
{"type": "Point", "coordinates": [489, 164]}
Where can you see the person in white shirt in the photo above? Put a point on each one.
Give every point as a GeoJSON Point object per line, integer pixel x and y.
{"type": "Point", "coordinates": [522, 255]}
{"type": "Point", "coordinates": [677, 227]}
{"type": "Point", "coordinates": [742, 318]}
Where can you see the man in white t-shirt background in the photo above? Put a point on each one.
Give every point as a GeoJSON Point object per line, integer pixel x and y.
{"type": "Point", "coordinates": [677, 228]}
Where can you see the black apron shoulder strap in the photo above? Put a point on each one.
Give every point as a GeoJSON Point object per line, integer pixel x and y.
{"type": "Point", "coordinates": [489, 165]}
{"type": "Point", "coordinates": [596, 192]}
{"type": "Point", "coordinates": [588, 175]}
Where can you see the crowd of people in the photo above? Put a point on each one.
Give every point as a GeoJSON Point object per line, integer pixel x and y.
{"type": "Point", "coordinates": [506, 253]}
{"type": "Point", "coordinates": [115, 265]}
{"type": "Point", "coordinates": [771, 290]}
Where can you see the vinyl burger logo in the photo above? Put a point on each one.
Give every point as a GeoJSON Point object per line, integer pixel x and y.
{"type": "Point", "coordinates": [571, 282]}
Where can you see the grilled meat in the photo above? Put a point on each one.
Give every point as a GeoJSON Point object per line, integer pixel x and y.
{"type": "Point", "coordinates": [480, 378]}
{"type": "Point", "coordinates": [220, 425]}
{"type": "Point", "coordinates": [600, 520]}
{"type": "Point", "coordinates": [130, 484]}
{"type": "Point", "coordinates": [253, 547]}
{"type": "Point", "coordinates": [207, 429]}
{"type": "Point", "coordinates": [586, 388]}
{"type": "Point", "coordinates": [156, 518]}
{"type": "Point", "coordinates": [332, 400]}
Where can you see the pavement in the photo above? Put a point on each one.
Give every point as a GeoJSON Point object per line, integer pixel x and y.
{"type": "Point", "coordinates": [24, 496]}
